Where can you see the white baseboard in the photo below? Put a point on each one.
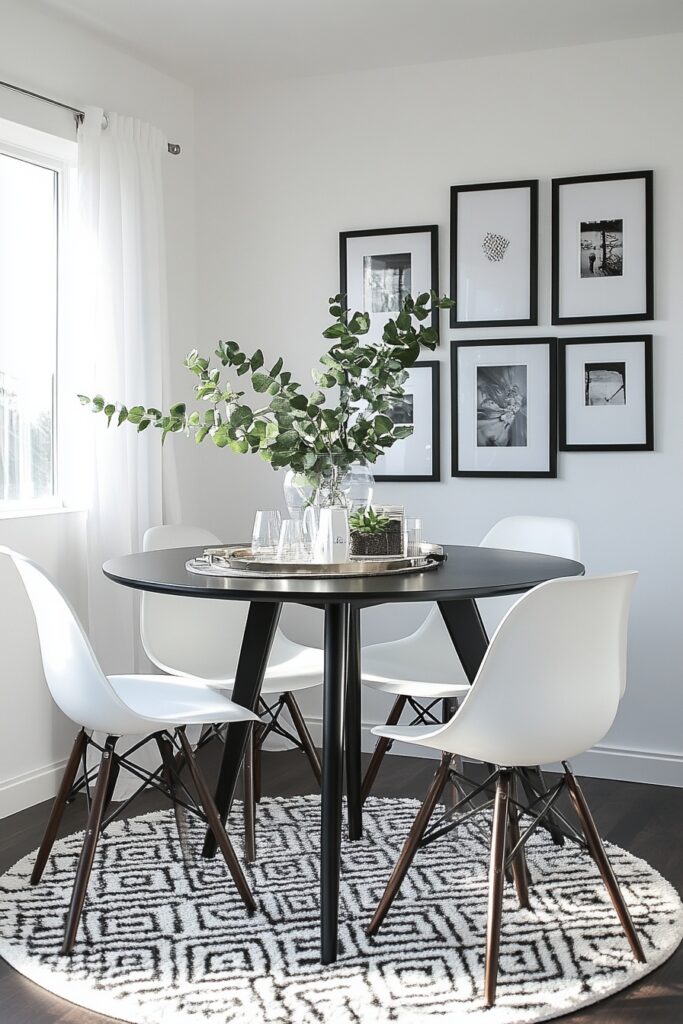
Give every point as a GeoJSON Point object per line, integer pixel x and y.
{"type": "Point", "coordinates": [602, 762]}
{"type": "Point", "coordinates": [29, 789]}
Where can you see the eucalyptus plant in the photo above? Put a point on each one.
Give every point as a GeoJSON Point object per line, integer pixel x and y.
{"type": "Point", "coordinates": [346, 417]}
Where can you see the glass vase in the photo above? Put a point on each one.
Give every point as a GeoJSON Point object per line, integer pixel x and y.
{"type": "Point", "coordinates": [333, 484]}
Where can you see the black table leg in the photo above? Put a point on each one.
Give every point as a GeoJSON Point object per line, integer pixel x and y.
{"type": "Point", "coordinates": [258, 636]}
{"type": "Point", "coordinates": [336, 648]}
{"type": "Point", "coordinates": [353, 728]}
{"type": "Point", "coordinates": [467, 633]}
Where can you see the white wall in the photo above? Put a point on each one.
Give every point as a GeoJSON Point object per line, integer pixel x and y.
{"type": "Point", "coordinates": [45, 54]}
{"type": "Point", "coordinates": [284, 168]}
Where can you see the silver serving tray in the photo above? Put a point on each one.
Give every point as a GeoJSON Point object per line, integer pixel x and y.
{"type": "Point", "coordinates": [239, 561]}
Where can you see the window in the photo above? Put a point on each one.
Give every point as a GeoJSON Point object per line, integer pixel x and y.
{"type": "Point", "coordinates": [33, 188]}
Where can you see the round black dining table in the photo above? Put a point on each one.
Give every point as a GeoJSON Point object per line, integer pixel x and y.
{"type": "Point", "coordinates": [467, 573]}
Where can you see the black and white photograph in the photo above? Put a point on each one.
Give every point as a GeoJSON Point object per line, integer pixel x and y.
{"type": "Point", "coordinates": [386, 282]}
{"type": "Point", "coordinates": [503, 411]}
{"type": "Point", "coordinates": [605, 383]}
{"type": "Point", "coordinates": [402, 410]}
{"type": "Point", "coordinates": [501, 406]}
{"type": "Point", "coordinates": [606, 394]}
{"type": "Point", "coordinates": [417, 457]}
{"type": "Point", "coordinates": [380, 267]}
{"type": "Point", "coordinates": [494, 254]}
{"type": "Point", "coordinates": [602, 248]}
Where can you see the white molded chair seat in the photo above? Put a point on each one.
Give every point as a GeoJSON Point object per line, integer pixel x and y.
{"type": "Point", "coordinates": [183, 636]}
{"type": "Point", "coordinates": [163, 702]}
{"type": "Point", "coordinates": [425, 665]}
{"type": "Point", "coordinates": [560, 654]}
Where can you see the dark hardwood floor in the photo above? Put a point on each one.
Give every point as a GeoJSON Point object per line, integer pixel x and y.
{"type": "Point", "coordinates": [647, 820]}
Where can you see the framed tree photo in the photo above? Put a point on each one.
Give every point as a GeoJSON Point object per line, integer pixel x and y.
{"type": "Point", "coordinates": [606, 394]}
{"type": "Point", "coordinates": [494, 254]}
{"type": "Point", "coordinates": [602, 260]}
{"type": "Point", "coordinates": [417, 457]}
{"type": "Point", "coordinates": [379, 268]}
{"type": "Point", "coordinates": [503, 408]}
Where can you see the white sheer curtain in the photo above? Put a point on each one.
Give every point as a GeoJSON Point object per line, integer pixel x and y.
{"type": "Point", "coordinates": [123, 346]}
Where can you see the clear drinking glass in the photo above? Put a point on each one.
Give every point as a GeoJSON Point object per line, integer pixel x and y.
{"type": "Point", "coordinates": [266, 534]}
{"type": "Point", "coordinates": [294, 545]}
{"type": "Point", "coordinates": [412, 529]}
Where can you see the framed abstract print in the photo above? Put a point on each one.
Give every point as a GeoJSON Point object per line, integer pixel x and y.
{"type": "Point", "coordinates": [503, 408]}
{"type": "Point", "coordinates": [605, 394]}
{"type": "Point", "coordinates": [494, 254]}
{"type": "Point", "coordinates": [602, 260]}
{"type": "Point", "coordinates": [379, 268]}
{"type": "Point", "coordinates": [416, 457]}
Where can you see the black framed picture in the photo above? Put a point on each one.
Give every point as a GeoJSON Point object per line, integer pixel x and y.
{"type": "Point", "coordinates": [379, 268]}
{"type": "Point", "coordinates": [503, 408]}
{"type": "Point", "coordinates": [494, 254]}
{"type": "Point", "coordinates": [606, 394]}
{"type": "Point", "coordinates": [602, 248]}
{"type": "Point", "coordinates": [417, 457]}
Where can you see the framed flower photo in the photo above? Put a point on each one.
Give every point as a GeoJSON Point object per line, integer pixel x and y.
{"type": "Point", "coordinates": [504, 410]}
{"type": "Point", "coordinates": [417, 457]}
{"type": "Point", "coordinates": [494, 254]}
{"type": "Point", "coordinates": [602, 262]}
{"type": "Point", "coordinates": [379, 268]}
{"type": "Point", "coordinates": [606, 394]}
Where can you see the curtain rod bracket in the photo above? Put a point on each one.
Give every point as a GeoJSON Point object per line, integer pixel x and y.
{"type": "Point", "coordinates": [173, 147]}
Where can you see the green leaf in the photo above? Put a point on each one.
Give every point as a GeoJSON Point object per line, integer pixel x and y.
{"type": "Point", "coordinates": [143, 424]}
{"type": "Point", "coordinates": [335, 331]}
{"type": "Point", "coordinates": [241, 446]}
{"type": "Point", "coordinates": [123, 415]}
{"type": "Point", "coordinates": [299, 401]}
{"type": "Point", "coordinates": [176, 410]}
{"type": "Point", "coordinates": [109, 411]}
{"type": "Point", "coordinates": [382, 424]}
{"type": "Point", "coordinates": [276, 369]}
{"type": "Point", "coordinates": [336, 311]}
{"type": "Point", "coordinates": [403, 431]}
{"type": "Point", "coordinates": [241, 415]}
{"type": "Point", "coordinates": [261, 382]}
{"type": "Point", "coordinates": [98, 403]}
{"type": "Point", "coordinates": [83, 399]}
{"type": "Point", "coordinates": [257, 359]}
{"type": "Point", "coordinates": [136, 413]}
{"type": "Point", "coordinates": [220, 436]}
{"type": "Point", "coordinates": [316, 398]}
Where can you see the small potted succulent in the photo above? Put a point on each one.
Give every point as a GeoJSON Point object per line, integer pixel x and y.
{"type": "Point", "coordinates": [373, 534]}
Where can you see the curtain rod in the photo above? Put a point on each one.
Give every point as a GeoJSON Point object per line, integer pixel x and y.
{"type": "Point", "coordinates": [173, 147]}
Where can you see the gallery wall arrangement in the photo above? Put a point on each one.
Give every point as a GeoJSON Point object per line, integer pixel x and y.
{"type": "Point", "coordinates": [514, 402]}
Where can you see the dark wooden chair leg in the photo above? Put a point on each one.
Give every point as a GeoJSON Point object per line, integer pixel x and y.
{"type": "Point", "coordinates": [411, 844]}
{"type": "Point", "coordinates": [258, 763]}
{"type": "Point", "coordinates": [58, 806]}
{"type": "Point", "coordinates": [304, 735]}
{"type": "Point", "coordinates": [87, 857]}
{"type": "Point", "coordinates": [597, 851]}
{"type": "Point", "coordinates": [496, 886]}
{"type": "Point", "coordinates": [520, 871]}
{"type": "Point", "coordinates": [169, 759]}
{"type": "Point", "coordinates": [382, 747]}
{"type": "Point", "coordinates": [248, 775]}
{"type": "Point", "coordinates": [216, 825]}
{"type": "Point", "coordinates": [449, 706]}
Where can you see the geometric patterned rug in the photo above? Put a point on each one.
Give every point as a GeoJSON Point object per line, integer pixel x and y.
{"type": "Point", "coordinates": [161, 942]}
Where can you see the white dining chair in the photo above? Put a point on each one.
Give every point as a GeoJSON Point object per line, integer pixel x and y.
{"type": "Point", "coordinates": [560, 653]}
{"type": "Point", "coordinates": [153, 708]}
{"type": "Point", "coordinates": [423, 671]}
{"type": "Point", "coordinates": [202, 639]}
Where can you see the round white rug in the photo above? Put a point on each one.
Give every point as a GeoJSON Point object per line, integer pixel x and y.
{"type": "Point", "coordinates": [163, 943]}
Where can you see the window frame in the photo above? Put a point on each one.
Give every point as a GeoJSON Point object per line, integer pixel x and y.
{"type": "Point", "coordinates": [59, 155]}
